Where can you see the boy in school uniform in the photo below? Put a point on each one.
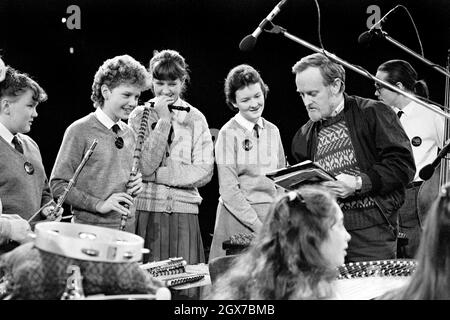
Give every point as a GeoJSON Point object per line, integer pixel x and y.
{"type": "Point", "coordinates": [100, 194]}
{"type": "Point", "coordinates": [24, 188]}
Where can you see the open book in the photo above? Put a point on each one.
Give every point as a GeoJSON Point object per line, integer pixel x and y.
{"type": "Point", "coordinates": [306, 172]}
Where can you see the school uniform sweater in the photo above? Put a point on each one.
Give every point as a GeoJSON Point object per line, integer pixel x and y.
{"type": "Point", "coordinates": [242, 162]}
{"type": "Point", "coordinates": [22, 193]}
{"type": "Point", "coordinates": [186, 163]}
{"type": "Point", "coordinates": [106, 172]}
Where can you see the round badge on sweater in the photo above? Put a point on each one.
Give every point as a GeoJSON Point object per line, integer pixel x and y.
{"type": "Point", "coordinates": [416, 141]}
{"type": "Point", "coordinates": [247, 145]}
{"type": "Point", "coordinates": [28, 168]}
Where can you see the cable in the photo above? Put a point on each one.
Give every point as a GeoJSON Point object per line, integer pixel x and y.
{"type": "Point", "coordinates": [415, 28]}
{"type": "Point", "coordinates": [318, 26]}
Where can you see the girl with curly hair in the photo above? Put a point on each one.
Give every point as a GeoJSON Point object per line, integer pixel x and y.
{"type": "Point", "coordinates": [100, 193]}
{"type": "Point", "coordinates": [295, 256]}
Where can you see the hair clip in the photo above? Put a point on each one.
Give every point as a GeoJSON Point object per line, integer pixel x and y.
{"type": "Point", "coordinates": [292, 195]}
{"type": "Point", "coordinates": [296, 195]}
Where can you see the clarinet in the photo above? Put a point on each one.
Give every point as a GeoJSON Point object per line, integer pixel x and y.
{"type": "Point", "coordinates": [136, 159]}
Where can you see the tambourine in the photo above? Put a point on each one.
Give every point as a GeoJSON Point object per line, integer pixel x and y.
{"type": "Point", "coordinates": [87, 242]}
{"type": "Point", "coordinates": [107, 260]}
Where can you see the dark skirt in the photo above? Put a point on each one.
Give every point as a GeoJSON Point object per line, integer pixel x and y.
{"type": "Point", "coordinates": [170, 235]}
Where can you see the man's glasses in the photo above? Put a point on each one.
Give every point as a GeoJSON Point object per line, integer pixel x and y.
{"type": "Point", "coordinates": [378, 87]}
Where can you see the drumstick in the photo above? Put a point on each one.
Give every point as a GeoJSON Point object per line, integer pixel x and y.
{"type": "Point", "coordinates": [37, 212]}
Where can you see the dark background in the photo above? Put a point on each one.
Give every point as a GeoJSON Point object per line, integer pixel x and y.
{"type": "Point", "coordinates": [34, 40]}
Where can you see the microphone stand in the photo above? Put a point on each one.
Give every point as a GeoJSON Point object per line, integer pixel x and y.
{"type": "Point", "coordinates": [383, 34]}
{"type": "Point", "coordinates": [277, 29]}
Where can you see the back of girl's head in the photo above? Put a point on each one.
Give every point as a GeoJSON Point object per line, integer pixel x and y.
{"type": "Point", "coordinates": [240, 77]}
{"type": "Point", "coordinates": [401, 71]}
{"type": "Point", "coordinates": [285, 260]}
{"type": "Point", "coordinates": [14, 83]}
{"type": "Point", "coordinates": [115, 72]}
{"type": "Point", "coordinates": [168, 65]}
{"type": "Point", "coordinates": [297, 225]}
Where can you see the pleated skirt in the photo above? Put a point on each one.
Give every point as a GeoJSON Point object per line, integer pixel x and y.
{"type": "Point", "coordinates": [227, 225]}
{"type": "Point", "coordinates": [170, 235]}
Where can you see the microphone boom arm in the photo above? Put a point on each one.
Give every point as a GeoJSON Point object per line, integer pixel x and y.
{"type": "Point", "coordinates": [438, 68]}
{"type": "Point", "coordinates": [277, 29]}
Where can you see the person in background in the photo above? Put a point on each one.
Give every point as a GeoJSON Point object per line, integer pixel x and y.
{"type": "Point", "coordinates": [431, 279]}
{"type": "Point", "coordinates": [425, 130]}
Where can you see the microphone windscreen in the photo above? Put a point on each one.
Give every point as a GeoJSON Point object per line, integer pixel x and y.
{"type": "Point", "coordinates": [426, 172]}
{"type": "Point", "coordinates": [365, 37]}
{"type": "Point", "coordinates": [247, 43]}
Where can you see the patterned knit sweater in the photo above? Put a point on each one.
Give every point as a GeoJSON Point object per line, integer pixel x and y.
{"type": "Point", "coordinates": [336, 155]}
{"type": "Point", "coordinates": [184, 165]}
{"type": "Point", "coordinates": [22, 193]}
{"type": "Point", "coordinates": [106, 172]}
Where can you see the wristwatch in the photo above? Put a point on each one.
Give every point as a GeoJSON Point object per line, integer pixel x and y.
{"type": "Point", "coordinates": [358, 185]}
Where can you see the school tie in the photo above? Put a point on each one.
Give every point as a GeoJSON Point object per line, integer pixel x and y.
{"type": "Point", "coordinates": [115, 128]}
{"type": "Point", "coordinates": [119, 140]}
{"type": "Point", "coordinates": [17, 144]}
{"type": "Point", "coordinates": [400, 113]}
{"type": "Point", "coordinates": [256, 131]}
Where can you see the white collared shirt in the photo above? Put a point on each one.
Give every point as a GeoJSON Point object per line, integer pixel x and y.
{"type": "Point", "coordinates": [107, 121]}
{"type": "Point", "coordinates": [6, 134]}
{"type": "Point", "coordinates": [425, 130]}
{"type": "Point", "coordinates": [248, 124]}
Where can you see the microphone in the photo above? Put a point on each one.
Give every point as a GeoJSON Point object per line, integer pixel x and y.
{"type": "Point", "coordinates": [367, 36]}
{"type": "Point", "coordinates": [427, 171]}
{"type": "Point", "coordinates": [374, 31]}
{"type": "Point", "coordinates": [249, 41]}
{"type": "Point", "coordinates": [171, 107]}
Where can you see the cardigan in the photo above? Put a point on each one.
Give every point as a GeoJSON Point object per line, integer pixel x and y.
{"type": "Point", "coordinates": [184, 165]}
